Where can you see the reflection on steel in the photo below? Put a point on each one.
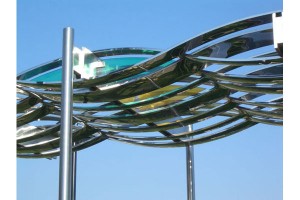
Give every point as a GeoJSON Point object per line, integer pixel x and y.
{"type": "Point", "coordinates": [222, 82]}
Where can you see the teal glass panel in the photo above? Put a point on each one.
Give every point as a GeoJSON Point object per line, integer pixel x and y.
{"type": "Point", "coordinates": [111, 64]}
{"type": "Point", "coordinates": [54, 75]}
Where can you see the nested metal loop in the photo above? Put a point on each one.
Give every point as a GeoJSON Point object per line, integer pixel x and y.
{"type": "Point", "coordinates": [222, 81]}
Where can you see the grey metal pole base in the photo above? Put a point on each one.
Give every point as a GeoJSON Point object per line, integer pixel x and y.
{"type": "Point", "coordinates": [65, 165]}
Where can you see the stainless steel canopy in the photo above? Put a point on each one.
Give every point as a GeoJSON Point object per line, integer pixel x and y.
{"type": "Point", "coordinates": [222, 81]}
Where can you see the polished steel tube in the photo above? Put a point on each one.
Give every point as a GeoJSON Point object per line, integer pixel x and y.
{"type": "Point", "coordinates": [74, 166]}
{"type": "Point", "coordinates": [65, 165]}
{"type": "Point", "coordinates": [190, 169]}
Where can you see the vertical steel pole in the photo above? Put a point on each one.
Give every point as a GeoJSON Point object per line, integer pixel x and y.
{"type": "Point", "coordinates": [74, 166]}
{"type": "Point", "coordinates": [65, 165]}
{"type": "Point", "coordinates": [190, 169]}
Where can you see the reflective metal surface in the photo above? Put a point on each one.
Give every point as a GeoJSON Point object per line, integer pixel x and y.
{"type": "Point", "coordinates": [190, 170]}
{"type": "Point", "coordinates": [66, 154]}
{"type": "Point", "coordinates": [222, 82]}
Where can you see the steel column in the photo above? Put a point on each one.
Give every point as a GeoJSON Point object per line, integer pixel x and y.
{"type": "Point", "coordinates": [190, 169]}
{"type": "Point", "coordinates": [65, 165]}
{"type": "Point", "coordinates": [74, 166]}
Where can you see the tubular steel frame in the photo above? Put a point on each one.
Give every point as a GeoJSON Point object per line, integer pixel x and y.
{"type": "Point", "coordinates": [222, 82]}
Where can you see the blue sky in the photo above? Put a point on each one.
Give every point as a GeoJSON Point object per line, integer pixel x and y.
{"type": "Point", "coordinates": [244, 166]}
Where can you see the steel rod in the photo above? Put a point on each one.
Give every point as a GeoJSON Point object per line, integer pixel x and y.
{"type": "Point", "coordinates": [74, 170]}
{"type": "Point", "coordinates": [190, 169]}
{"type": "Point", "coordinates": [65, 165]}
